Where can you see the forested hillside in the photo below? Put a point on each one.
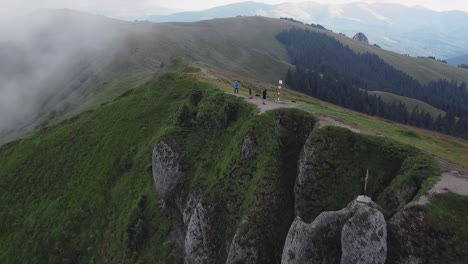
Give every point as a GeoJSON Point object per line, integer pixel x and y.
{"type": "Point", "coordinates": [330, 71]}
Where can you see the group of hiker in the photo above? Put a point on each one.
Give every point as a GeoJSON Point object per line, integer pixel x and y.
{"type": "Point", "coordinates": [236, 91]}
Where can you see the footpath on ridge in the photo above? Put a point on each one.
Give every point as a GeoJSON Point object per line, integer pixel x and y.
{"type": "Point", "coordinates": [450, 180]}
{"type": "Point", "coordinates": [273, 104]}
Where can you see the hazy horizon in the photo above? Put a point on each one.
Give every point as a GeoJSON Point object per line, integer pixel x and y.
{"type": "Point", "coordinates": [128, 10]}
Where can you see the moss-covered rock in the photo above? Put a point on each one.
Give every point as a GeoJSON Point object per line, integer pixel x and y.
{"type": "Point", "coordinates": [168, 174]}
{"type": "Point", "coordinates": [345, 236]}
{"type": "Point", "coordinates": [432, 233]}
{"type": "Point", "coordinates": [334, 163]}
{"type": "Point", "coordinates": [364, 237]}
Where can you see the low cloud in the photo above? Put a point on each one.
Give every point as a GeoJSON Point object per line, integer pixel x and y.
{"type": "Point", "coordinates": [38, 52]}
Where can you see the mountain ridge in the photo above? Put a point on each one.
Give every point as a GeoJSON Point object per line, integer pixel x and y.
{"type": "Point", "coordinates": [135, 181]}
{"type": "Point", "coordinates": [137, 51]}
{"type": "Point", "coordinates": [398, 21]}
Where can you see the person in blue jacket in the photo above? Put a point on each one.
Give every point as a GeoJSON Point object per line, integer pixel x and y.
{"type": "Point", "coordinates": [236, 87]}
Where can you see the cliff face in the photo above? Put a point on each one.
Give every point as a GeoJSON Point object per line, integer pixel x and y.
{"type": "Point", "coordinates": [245, 215]}
{"type": "Point", "coordinates": [274, 190]}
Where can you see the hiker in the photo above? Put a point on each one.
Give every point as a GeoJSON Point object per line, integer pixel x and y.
{"type": "Point", "coordinates": [264, 95]}
{"type": "Point", "coordinates": [236, 87]}
{"type": "Point", "coordinates": [250, 92]}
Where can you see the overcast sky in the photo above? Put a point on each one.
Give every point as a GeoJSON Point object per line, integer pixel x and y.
{"type": "Point", "coordinates": [129, 9]}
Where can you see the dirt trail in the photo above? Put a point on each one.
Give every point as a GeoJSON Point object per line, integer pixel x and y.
{"type": "Point", "coordinates": [450, 181]}
{"type": "Point", "coordinates": [271, 104]}
{"type": "Point", "coordinates": [223, 80]}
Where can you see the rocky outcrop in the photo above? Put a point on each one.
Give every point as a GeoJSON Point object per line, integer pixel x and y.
{"type": "Point", "coordinates": [199, 241]}
{"type": "Point", "coordinates": [408, 236]}
{"type": "Point", "coordinates": [248, 147]}
{"type": "Point", "coordinates": [243, 248]}
{"type": "Point", "coordinates": [355, 234]}
{"type": "Point", "coordinates": [364, 237]}
{"type": "Point", "coordinates": [307, 179]}
{"type": "Point", "coordinates": [400, 195]}
{"type": "Point", "coordinates": [318, 242]}
{"type": "Point", "coordinates": [361, 38]}
{"type": "Point", "coordinates": [260, 237]}
{"type": "Point", "coordinates": [290, 214]}
{"type": "Point", "coordinates": [167, 172]}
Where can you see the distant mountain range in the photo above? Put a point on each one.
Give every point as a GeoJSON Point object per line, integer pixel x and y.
{"type": "Point", "coordinates": [407, 30]}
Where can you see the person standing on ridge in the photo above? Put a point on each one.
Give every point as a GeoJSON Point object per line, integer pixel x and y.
{"type": "Point", "coordinates": [264, 95]}
{"type": "Point", "coordinates": [236, 87]}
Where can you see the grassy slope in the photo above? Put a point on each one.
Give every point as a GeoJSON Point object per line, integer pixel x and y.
{"type": "Point", "coordinates": [423, 70]}
{"type": "Point", "coordinates": [451, 149]}
{"type": "Point", "coordinates": [74, 187]}
{"type": "Point", "coordinates": [447, 214]}
{"type": "Point", "coordinates": [248, 46]}
{"type": "Point", "coordinates": [448, 148]}
{"type": "Point", "coordinates": [82, 190]}
{"type": "Point", "coordinates": [410, 103]}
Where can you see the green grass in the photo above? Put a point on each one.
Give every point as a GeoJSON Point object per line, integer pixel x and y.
{"type": "Point", "coordinates": [341, 164]}
{"type": "Point", "coordinates": [447, 215]}
{"type": "Point", "coordinates": [210, 140]}
{"type": "Point", "coordinates": [450, 149]}
{"type": "Point", "coordinates": [73, 187]}
{"type": "Point", "coordinates": [410, 103]}
{"type": "Point", "coordinates": [409, 133]}
{"type": "Point", "coordinates": [82, 190]}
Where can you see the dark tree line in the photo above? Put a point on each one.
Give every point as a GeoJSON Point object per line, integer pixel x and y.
{"type": "Point", "coordinates": [332, 72]}
{"type": "Point", "coordinates": [347, 94]}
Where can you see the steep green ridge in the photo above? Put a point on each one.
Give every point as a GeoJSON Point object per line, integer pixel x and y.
{"type": "Point", "coordinates": [244, 167]}
{"type": "Point", "coordinates": [82, 190]}
{"type": "Point", "coordinates": [410, 103]}
{"type": "Point", "coordinates": [74, 189]}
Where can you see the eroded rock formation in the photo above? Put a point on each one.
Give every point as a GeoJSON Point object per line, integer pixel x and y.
{"type": "Point", "coordinates": [355, 234]}
{"type": "Point", "coordinates": [296, 214]}
{"type": "Point", "coordinates": [361, 38]}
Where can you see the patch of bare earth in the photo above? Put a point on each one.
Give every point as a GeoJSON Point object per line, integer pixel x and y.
{"type": "Point", "coordinates": [450, 181]}
{"type": "Point", "coordinates": [269, 104]}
